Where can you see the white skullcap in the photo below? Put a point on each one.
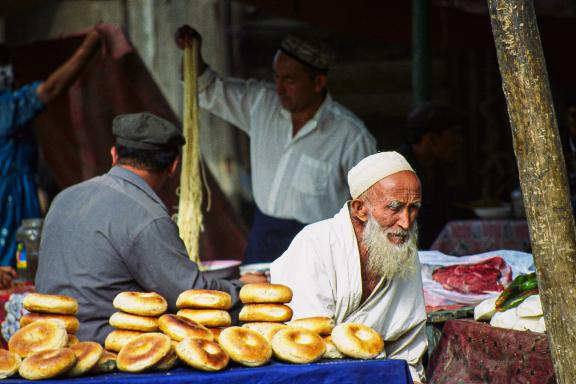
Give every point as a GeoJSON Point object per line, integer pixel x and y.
{"type": "Point", "coordinates": [374, 168]}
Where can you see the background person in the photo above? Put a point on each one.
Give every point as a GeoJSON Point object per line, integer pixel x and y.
{"type": "Point", "coordinates": [18, 147]}
{"type": "Point", "coordinates": [435, 141]}
{"type": "Point", "coordinates": [362, 265]}
{"type": "Point", "coordinates": [302, 143]}
{"type": "Point", "coordinates": [112, 233]}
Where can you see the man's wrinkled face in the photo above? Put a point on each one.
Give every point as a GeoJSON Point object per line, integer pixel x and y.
{"type": "Point", "coordinates": [390, 232]}
{"type": "Point", "coordinates": [294, 86]}
{"type": "Point", "coordinates": [394, 203]}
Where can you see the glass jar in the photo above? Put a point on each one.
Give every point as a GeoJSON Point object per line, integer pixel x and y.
{"type": "Point", "coordinates": [28, 243]}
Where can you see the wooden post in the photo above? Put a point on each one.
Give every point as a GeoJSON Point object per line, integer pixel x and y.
{"type": "Point", "coordinates": [542, 173]}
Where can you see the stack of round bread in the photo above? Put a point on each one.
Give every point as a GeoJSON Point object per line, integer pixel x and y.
{"type": "Point", "coordinates": [43, 344]}
{"type": "Point", "coordinates": [56, 307]}
{"type": "Point", "coordinates": [179, 327]}
{"type": "Point", "coordinates": [323, 326]}
{"type": "Point", "coordinates": [196, 327]}
{"type": "Point", "coordinates": [265, 309]}
{"type": "Point", "coordinates": [46, 342]}
{"type": "Point", "coordinates": [138, 314]}
{"type": "Point", "coordinates": [36, 343]}
{"type": "Point", "coordinates": [206, 307]}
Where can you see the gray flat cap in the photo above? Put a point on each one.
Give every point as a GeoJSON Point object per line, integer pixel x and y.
{"type": "Point", "coordinates": [307, 51]}
{"type": "Point", "coordinates": [146, 131]}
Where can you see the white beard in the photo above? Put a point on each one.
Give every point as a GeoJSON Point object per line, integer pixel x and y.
{"type": "Point", "coordinates": [386, 259]}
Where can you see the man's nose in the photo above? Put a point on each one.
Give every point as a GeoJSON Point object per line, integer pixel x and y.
{"type": "Point", "coordinates": [404, 220]}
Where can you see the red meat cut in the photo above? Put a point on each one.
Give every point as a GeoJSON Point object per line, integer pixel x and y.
{"type": "Point", "coordinates": [491, 275]}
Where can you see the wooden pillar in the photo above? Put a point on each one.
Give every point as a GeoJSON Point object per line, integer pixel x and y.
{"type": "Point", "coordinates": [542, 173]}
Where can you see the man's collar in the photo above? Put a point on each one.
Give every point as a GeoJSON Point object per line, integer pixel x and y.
{"type": "Point", "coordinates": [132, 178]}
{"type": "Point", "coordinates": [323, 107]}
{"type": "Point", "coordinates": [318, 115]}
{"type": "Point", "coordinates": [311, 124]}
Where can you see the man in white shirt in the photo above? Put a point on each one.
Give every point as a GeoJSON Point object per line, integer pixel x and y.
{"type": "Point", "coordinates": [361, 266]}
{"type": "Point", "coordinates": [302, 143]}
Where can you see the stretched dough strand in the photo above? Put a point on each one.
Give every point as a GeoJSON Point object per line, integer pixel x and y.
{"type": "Point", "coordinates": [190, 205]}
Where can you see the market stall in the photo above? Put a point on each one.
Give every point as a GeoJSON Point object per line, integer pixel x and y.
{"type": "Point", "coordinates": [178, 349]}
{"type": "Point", "coordinates": [464, 282]}
{"type": "Point", "coordinates": [511, 348]}
{"type": "Point", "coordinates": [342, 372]}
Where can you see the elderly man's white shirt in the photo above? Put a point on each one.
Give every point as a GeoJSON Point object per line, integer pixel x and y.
{"type": "Point", "coordinates": [303, 177]}
{"type": "Point", "coordinates": [322, 266]}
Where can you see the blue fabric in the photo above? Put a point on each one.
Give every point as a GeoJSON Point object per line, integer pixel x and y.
{"type": "Point", "coordinates": [327, 371]}
{"type": "Point", "coordinates": [269, 237]}
{"type": "Point", "coordinates": [18, 162]}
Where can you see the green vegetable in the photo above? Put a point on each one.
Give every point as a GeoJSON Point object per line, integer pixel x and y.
{"type": "Point", "coordinates": [515, 301]}
{"type": "Point", "coordinates": [529, 284]}
{"type": "Point", "coordinates": [519, 285]}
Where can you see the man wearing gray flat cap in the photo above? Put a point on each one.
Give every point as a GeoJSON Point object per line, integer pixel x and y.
{"type": "Point", "coordinates": [302, 143]}
{"type": "Point", "coordinates": [112, 233]}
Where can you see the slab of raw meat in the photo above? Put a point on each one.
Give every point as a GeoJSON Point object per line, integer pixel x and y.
{"type": "Point", "coordinates": [491, 275]}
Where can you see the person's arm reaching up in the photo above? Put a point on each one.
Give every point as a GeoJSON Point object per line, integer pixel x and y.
{"type": "Point", "coordinates": [184, 37]}
{"type": "Point", "coordinates": [65, 75]}
{"type": "Point", "coordinates": [234, 100]}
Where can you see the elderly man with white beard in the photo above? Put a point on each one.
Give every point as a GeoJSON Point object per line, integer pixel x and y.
{"type": "Point", "coordinates": [361, 266]}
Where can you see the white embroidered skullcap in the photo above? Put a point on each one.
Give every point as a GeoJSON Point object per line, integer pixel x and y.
{"type": "Point", "coordinates": [374, 168]}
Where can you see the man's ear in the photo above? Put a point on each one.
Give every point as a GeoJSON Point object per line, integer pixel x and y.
{"type": "Point", "coordinates": [359, 210]}
{"type": "Point", "coordinates": [320, 82]}
{"type": "Point", "coordinates": [174, 166]}
{"type": "Point", "coordinates": [114, 155]}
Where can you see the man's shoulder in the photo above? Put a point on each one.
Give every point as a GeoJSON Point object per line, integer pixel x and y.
{"type": "Point", "coordinates": [264, 96]}
{"type": "Point", "coordinates": [25, 97]}
{"type": "Point", "coordinates": [347, 123]}
{"type": "Point", "coordinates": [109, 192]}
{"type": "Point", "coordinates": [27, 90]}
{"type": "Point", "coordinates": [76, 197]}
{"type": "Point", "coordinates": [345, 116]}
{"type": "Point", "coordinates": [73, 190]}
{"type": "Point", "coordinates": [319, 227]}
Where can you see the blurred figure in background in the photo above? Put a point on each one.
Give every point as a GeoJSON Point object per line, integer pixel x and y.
{"type": "Point", "coordinates": [18, 147]}
{"type": "Point", "coordinates": [435, 140]}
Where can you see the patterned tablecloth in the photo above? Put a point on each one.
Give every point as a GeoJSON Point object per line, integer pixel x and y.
{"type": "Point", "coordinates": [469, 237]}
{"type": "Point", "coordinates": [473, 352]}
{"type": "Point", "coordinates": [11, 310]}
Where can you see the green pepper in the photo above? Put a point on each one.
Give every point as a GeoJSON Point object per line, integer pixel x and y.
{"type": "Point", "coordinates": [515, 301]}
{"type": "Point", "coordinates": [530, 283]}
{"type": "Point", "coordinates": [519, 284]}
